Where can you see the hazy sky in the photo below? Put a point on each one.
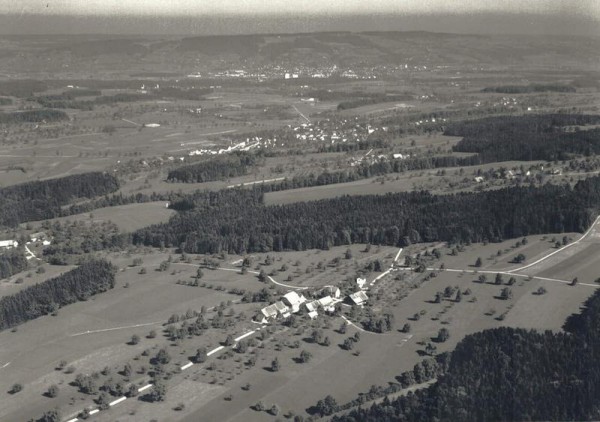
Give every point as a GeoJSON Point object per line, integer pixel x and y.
{"type": "Point", "coordinates": [207, 7]}
{"type": "Point", "coordinates": [239, 16]}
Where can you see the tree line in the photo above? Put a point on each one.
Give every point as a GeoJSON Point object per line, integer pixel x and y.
{"type": "Point", "coordinates": [510, 374]}
{"type": "Point", "coordinates": [527, 138]}
{"type": "Point", "coordinates": [90, 278]}
{"type": "Point", "coordinates": [237, 221]}
{"type": "Point", "coordinates": [12, 262]}
{"type": "Point", "coordinates": [43, 199]}
{"type": "Point", "coordinates": [214, 168]}
{"type": "Point", "coordinates": [32, 116]}
{"type": "Point", "coordinates": [528, 89]}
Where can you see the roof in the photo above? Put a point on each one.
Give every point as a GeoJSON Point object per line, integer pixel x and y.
{"type": "Point", "coordinates": [312, 306]}
{"type": "Point", "coordinates": [269, 311]}
{"type": "Point", "coordinates": [326, 301]}
{"type": "Point", "coordinates": [280, 306]}
{"type": "Point", "coordinates": [359, 297]}
{"type": "Point", "coordinates": [5, 243]}
{"type": "Point", "coordinates": [294, 298]}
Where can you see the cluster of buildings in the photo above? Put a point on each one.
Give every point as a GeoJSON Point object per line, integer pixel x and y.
{"type": "Point", "coordinates": [292, 303]}
{"type": "Point", "coordinates": [38, 237]}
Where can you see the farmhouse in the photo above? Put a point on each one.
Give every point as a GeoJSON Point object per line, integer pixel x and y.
{"type": "Point", "coordinates": [282, 309]}
{"type": "Point", "coordinates": [327, 303]}
{"type": "Point", "coordinates": [268, 312]}
{"type": "Point", "coordinates": [294, 300]}
{"type": "Point", "coordinates": [8, 244]}
{"type": "Point", "coordinates": [332, 291]}
{"type": "Point", "coordinates": [359, 298]}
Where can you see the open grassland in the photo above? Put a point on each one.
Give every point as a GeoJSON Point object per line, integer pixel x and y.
{"type": "Point", "coordinates": [127, 218]}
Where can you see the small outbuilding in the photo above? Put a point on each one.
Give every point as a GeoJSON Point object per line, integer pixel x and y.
{"type": "Point", "coordinates": [359, 298]}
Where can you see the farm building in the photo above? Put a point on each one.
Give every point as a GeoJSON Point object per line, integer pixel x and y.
{"type": "Point", "coordinates": [359, 298]}
{"type": "Point", "coordinates": [282, 309]}
{"type": "Point", "coordinates": [332, 291]}
{"type": "Point", "coordinates": [8, 244]}
{"type": "Point", "coordinates": [269, 312]}
{"type": "Point", "coordinates": [361, 282]}
{"type": "Point", "coordinates": [38, 237]}
{"type": "Point", "coordinates": [327, 303]}
{"type": "Point", "coordinates": [294, 300]}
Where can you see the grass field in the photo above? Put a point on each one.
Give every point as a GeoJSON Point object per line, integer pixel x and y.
{"type": "Point", "coordinates": [127, 218]}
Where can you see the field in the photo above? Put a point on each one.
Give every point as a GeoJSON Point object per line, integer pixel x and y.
{"type": "Point", "coordinates": [128, 218]}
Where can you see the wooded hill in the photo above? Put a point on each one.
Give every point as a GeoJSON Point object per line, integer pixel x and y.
{"type": "Point", "coordinates": [237, 221]}
{"type": "Point", "coordinates": [214, 168]}
{"type": "Point", "coordinates": [90, 278]}
{"type": "Point", "coordinates": [508, 374]}
{"type": "Point", "coordinates": [529, 137]}
{"type": "Point", "coordinates": [43, 199]}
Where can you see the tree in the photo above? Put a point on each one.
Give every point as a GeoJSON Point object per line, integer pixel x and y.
{"type": "Point", "coordinates": [343, 327]}
{"type": "Point", "coordinates": [135, 339]}
{"type": "Point", "coordinates": [438, 298]}
{"type": "Point", "coordinates": [348, 254]}
{"type": "Point", "coordinates": [317, 336]}
{"type": "Point", "coordinates": [159, 392]}
{"type": "Point", "coordinates": [326, 406]}
{"type": "Point", "coordinates": [406, 328]}
{"type": "Point", "coordinates": [511, 281]}
{"type": "Point", "coordinates": [506, 293]}
{"type": "Point", "coordinates": [52, 391]}
{"type": "Point", "coordinates": [132, 391]}
{"type": "Point", "coordinates": [478, 262]}
{"type": "Point", "coordinates": [275, 366]}
{"type": "Point", "coordinates": [574, 281]}
{"type": "Point", "coordinates": [348, 343]}
{"type": "Point", "coordinates": [200, 355]}
{"type": "Point", "coordinates": [229, 340]}
{"type": "Point", "coordinates": [443, 335]}
{"type": "Point", "coordinates": [541, 290]}
{"type": "Point", "coordinates": [17, 387]}
{"type": "Point", "coordinates": [162, 357]}
{"type": "Point", "coordinates": [151, 334]}
{"type": "Point", "coordinates": [274, 410]}
{"type": "Point", "coordinates": [51, 416]}
{"type": "Point", "coordinates": [498, 280]}
{"type": "Point", "coordinates": [259, 406]}
{"type": "Point", "coordinates": [262, 276]}
{"type": "Point", "coordinates": [305, 356]}
{"type": "Point", "coordinates": [482, 278]}
{"type": "Point", "coordinates": [458, 297]}
{"type": "Point", "coordinates": [519, 258]}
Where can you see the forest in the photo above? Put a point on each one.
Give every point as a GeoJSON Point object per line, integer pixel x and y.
{"type": "Point", "coordinates": [43, 199]}
{"type": "Point", "coordinates": [32, 116]}
{"type": "Point", "coordinates": [510, 374]}
{"type": "Point", "coordinates": [537, 137]}
{"type": "Point", "coordinates": [217, 168]}
{"type": "Point", "coordinates": [528, 89]}
{"type": "Point", "coordinates": [12, 262]}
{"type": "Point", "coordinates": [90, 278]}
{"type": "Point", "coordinates": [237, 221]}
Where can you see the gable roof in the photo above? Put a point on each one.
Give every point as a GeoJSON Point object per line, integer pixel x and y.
{"type": "Point", "coordinates": [359, 297]}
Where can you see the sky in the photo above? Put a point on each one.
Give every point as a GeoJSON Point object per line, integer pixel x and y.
{"type": "Point", "coordinates": [245, 16]}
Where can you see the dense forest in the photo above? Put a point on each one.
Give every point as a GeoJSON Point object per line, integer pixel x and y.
{"type": "Point", "coordinates": [528, 89]}
{"type": "Point", "coordinates": [537, 137]}
{"type": "Point", "coordinates": [43, 199]}
{"type": "Point", "coordinates": [215, 168]}
{"type": "Point", "coordinates": [32, 116]}
{"type": "Point", "coordinates": [12, 262]}
{"type": "Point", "coordinates": [510, 374]}
{"type": "Point", "coordinates": [237, 221]}
{"type": "Point", "coordinates": [90, 278]}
